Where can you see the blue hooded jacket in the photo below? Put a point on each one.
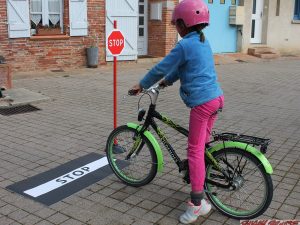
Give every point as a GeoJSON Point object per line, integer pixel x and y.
{"type": "Point", "coordinates": [192, 62]}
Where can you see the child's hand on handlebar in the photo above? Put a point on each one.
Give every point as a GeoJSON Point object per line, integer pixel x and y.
{"type": "Point", "coordinates": [163, 84]}
{"type": "Point", "coordinates": [135, 90]}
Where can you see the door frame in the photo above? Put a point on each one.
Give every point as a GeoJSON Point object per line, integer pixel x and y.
{"type": "Point", "coordinates": [145, 46]}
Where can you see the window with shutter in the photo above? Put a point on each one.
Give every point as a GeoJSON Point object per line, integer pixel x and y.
{"type": "Point", "coordinates": [46, 17]}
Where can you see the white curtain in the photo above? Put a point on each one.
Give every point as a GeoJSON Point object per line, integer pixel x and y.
{"type": "Point", "coordinates": [36, 11]}
{"type": "Point", "coordinates": [54, 11]}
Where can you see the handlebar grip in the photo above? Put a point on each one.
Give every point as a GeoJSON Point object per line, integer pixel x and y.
{"type": "Point", "coordinates": [133, 92]}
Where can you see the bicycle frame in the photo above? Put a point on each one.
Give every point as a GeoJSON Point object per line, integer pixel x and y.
{"type": "Point", "coordinates": [152, 113]}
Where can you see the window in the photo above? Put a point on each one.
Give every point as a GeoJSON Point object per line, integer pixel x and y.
{"type": "Point", "coordinates": [46, 17]}
{"type": "Point", "coordinates": [27, 17]}
{"type": "Point", "coordinates": [278, 8]}
{"type": "Point", "coordinates": [297, 10]}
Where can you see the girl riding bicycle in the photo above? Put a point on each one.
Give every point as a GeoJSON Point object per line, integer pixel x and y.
{"type": "Point", "coordinates": [192, 62]}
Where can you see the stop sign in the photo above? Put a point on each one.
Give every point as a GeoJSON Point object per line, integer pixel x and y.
{"type": "Point", "coordinates": [115, 42]}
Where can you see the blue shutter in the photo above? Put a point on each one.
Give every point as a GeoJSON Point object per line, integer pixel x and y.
{"type": "Point", "coordinates": [78, 18]}
{"type": "Point", "coordinates": [18, 18]}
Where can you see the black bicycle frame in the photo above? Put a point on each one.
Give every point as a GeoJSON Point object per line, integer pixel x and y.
{"type": "Point", "coordinates": [149, 121]}
{"type": "Point", "coordinates": [152, 113]}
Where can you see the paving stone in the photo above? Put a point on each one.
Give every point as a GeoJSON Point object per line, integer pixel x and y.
{"type": "Point", "coordinates": [147, 204]}
{"type": "Point", "coordinates": [59, 206]}
{"type": "Point", "coordinates": [44, 222]}
{"type": "Point", "coordinates": [289, 209]}
{"type": "Point", "coordinates": [30, 220]}
{"type": "Point", "coordinates": [109, 202]}
{"type": "Point", "coordinates": [208, 222]}
{"type": "Point", "coordinates": [175, 213]}
{"type": "Point", "coordinates": [134, 200]}
{"type": "Point", "coordinates": [122, 207]}
{"type": "Point", "coordinates": [162, 209]}
{"type": "Point", "coordinates": [270, 212]}
{"type": "Point", "coordinates": [72, 222]}
{"type": "Point", "coordinates": [257, 103]}
{"type": "Point", "coordinates": [96, 197]}
{"type": "Point", "coordinates": [142, 222]}
{"type": "Point", "coordinates": [167, 221]}
{"type": "Point", "coordinates": [145, 194]}
{"type": "Point", "coordinates": [119, 195]}
{"type": "Point", "coordinates": [171, 202]}
{"type": "Point", "coordinates": [45, 212]}
{"type": "Point", "coordinates": [137, 212]}
{"type": "Point", "coordinates": [284, 215]}
{"type": "Point", "coordinates": [232, 222]}
{"type": "Point", "coordinates": [180, 196]}
{"type": "Point", "coordinates": [6, 221]}
{"type": "Point", "coordinates": [57, 218]}
{"type": "Point", "coordinates": [81, 214]}
{"type": "Point", "coordinates": [218, 217]}
{"type": "Point", "coordinates": [7, 209]}
{"type": "Point", "coordinates": [17, 215]}
{"type": "Point", "coordinates": [152, 217]}
{"type": "Point", "coordinates": [128, 219]}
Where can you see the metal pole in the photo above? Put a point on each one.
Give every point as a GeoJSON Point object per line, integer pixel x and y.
{"type": "Point", "coordinates": [115, 84]}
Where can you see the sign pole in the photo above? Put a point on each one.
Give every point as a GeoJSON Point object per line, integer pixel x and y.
{"type": "Point", "coordinates": [115, 45]}
{"type": "Point", "coordinates": [115, 84]}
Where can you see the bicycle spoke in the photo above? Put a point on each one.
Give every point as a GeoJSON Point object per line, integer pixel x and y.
{"type": "Point", "coordinates": [239, 161]}
{"type": "Point", "coordinates": [247, 194]}
{"type": "Point", "coordinates": [250, 172]}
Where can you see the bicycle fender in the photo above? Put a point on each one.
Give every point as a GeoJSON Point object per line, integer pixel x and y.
{"type": "Point", "coordinates": [153, 141]}
{"type": "Point", "coordinates": [232, 144]}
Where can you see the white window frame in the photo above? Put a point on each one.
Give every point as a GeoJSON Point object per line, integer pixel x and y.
{"type": "Point", "coordinates": [45, 13]}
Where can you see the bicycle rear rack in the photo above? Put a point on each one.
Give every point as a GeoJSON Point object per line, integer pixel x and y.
{"type": "Point", "coordinates": [251, 140]}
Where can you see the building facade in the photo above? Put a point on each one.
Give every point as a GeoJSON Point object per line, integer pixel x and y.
{"type": "Point", "coordinates": [81, 23]}
{"type": "Point", "coordinates": [272, 23]}
{"type": "Point", "coordinates": [54, 34]}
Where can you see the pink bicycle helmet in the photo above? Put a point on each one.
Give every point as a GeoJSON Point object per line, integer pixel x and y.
{"type": "Point", "coordinates": [192, 12]}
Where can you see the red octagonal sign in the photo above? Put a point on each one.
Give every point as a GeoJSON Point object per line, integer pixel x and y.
{"type": "Point", "coordinates": [115, 42]}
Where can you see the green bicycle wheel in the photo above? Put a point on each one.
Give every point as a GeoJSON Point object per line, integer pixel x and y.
{"type": "Point", "coordinates": [134, 162]}
{"type": "Point", "coordinates": [253, 190]}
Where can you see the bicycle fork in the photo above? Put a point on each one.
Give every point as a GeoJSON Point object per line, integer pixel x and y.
{"type": "Point", "coordinates": [137, 146]}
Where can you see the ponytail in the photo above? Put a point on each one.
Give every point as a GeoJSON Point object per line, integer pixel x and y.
{"type": "Point", "coordinates": [198, 28]}
{"type": "Point", "coordinates": [202, 36]}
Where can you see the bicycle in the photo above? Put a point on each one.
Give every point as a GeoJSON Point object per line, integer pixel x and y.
{"type": "Point", "coordinates": [238, 175]}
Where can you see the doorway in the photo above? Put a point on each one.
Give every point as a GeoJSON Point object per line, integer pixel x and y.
{"type": "Point", "coordinates": [257, 21]}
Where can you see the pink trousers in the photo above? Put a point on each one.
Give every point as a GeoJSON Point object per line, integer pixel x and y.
{"type": "Point", "coordinates": [202, 119]}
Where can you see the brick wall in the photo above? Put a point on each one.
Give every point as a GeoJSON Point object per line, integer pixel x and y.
{"type": "Point", "coordinates": [25, 54]}
{"type": "Point", "coordinates": [162, 35]}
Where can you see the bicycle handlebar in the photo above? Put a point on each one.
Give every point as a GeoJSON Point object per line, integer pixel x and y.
{"type": "Point", "coordinates": [157, 87]}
